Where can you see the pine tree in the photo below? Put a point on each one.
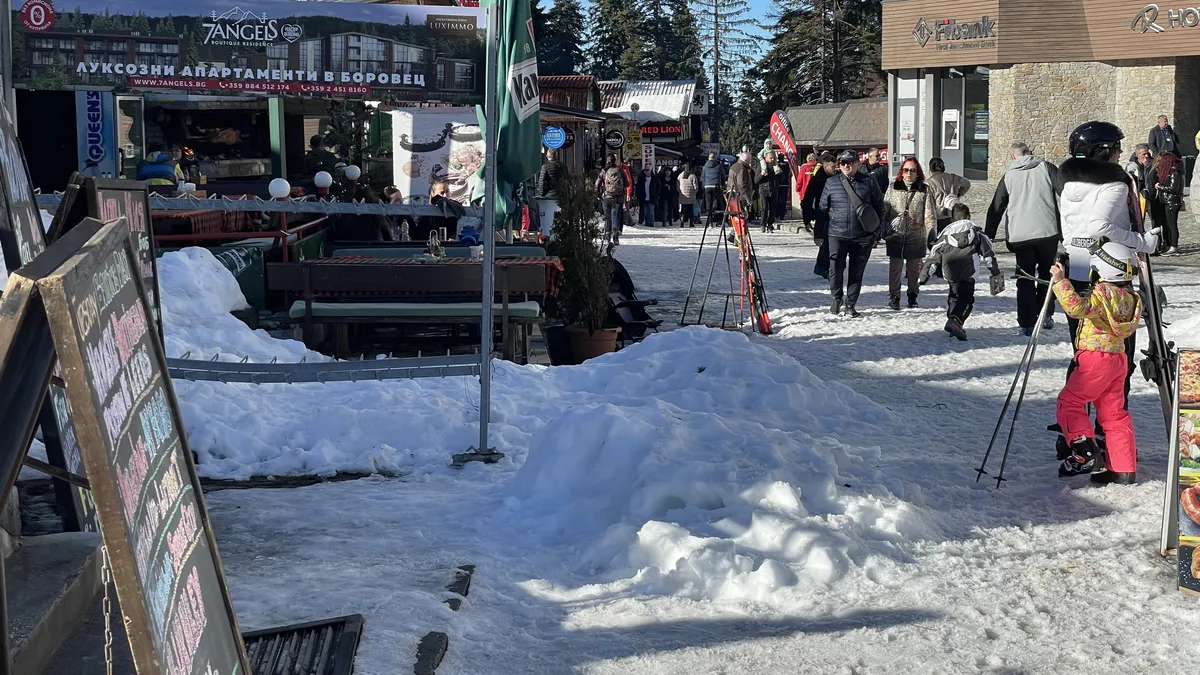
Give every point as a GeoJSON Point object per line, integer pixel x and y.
{"type": "Point", "coordinates": [822, 51]}
{"type": "Point", "coordinates": [617, 32]}
{"type": "Point", "coordinates": [686, 60]}
{"type": "Point", "coordinates": [560, 48]}
{"type": "Point", "coordinates": [166, 26]}
{"type": "Point", "coordinates": [102, 22]}
{"type": "Point", "coordinates": [729, 50]}
{"type": "Point", "coordinates": [139, 23]}
{"type": "Point", "coordinates": [192, 57]}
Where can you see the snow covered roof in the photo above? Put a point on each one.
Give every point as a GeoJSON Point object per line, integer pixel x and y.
{"type": "Point", "coordinates": [657, 100]}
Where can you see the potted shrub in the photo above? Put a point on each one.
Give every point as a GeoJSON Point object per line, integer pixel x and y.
{"type": "Point", "coordinates": [582, 303]}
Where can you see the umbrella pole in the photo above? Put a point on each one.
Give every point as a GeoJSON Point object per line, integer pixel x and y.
{"type": "Point", "coordinates": [489, 221]}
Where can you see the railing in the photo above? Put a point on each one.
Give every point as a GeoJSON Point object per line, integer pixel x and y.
{"type": "Point", "coordinates": [323, 371]}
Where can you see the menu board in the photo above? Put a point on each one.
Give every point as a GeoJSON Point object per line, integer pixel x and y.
{"type": "Point", "coordinates": [165, 563]}
{"type": "Point", "coordinates": [109, 199]}
{"type": "Point", "coordinates": [62, 451]}
{"type": "Point", "coordinates": [21, 233]}
{"type": "Point", "coordinates": [71, 208]}
{"type": "Point", "coordinates": [1185, 455]}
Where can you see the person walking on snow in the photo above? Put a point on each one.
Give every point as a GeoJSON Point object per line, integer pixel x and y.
{"type": "Point", "coordinates": [947, 190]}
{"type": "Point", "coordinates": [741, 181]}
{"type": "Point", "coordinates": [803, 175]}
{"type": "Point", "coordinates": [910, 209]}
{"type": "Point", "coordinates": [959, 255]}
{"type": "Point", "coordinates": [815, 219]}
{"type": "Point", "coordinates": [1109, 314]}
{"type": "Point", "coordinates": [689, 188]}
{"type": "Point", "coordinates": [875, 169]}
{"type": "Point", "coordinates": [1026, 194]}
{"type": "Point", "coordinates": [767, 184]}
{"type": "Point", "coordinates": [613, 186]}
{"type": "Point", "coordinates": [853, 208]}
{"type": "Point", "coordinates": [712, 177]}
{"type": "Point", "coordinates": [648, 192]}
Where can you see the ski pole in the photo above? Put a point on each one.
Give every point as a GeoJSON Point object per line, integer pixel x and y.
{"type": "Point", "coordinates": [1021, 397]}
{"type": "Point", "coordinates": [1025, 364]}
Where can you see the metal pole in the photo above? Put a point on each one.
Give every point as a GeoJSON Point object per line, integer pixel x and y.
{"type": "Point", "coordinates": [492, 112]}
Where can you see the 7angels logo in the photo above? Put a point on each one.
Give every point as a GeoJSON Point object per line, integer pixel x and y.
{"type": "Point", "coordinates": [240, 28]}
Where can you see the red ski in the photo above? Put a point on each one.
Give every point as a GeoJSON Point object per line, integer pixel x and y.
{"type": "Point", "coordinates": [753, 291]}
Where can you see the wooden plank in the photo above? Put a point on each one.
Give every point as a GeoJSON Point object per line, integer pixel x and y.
{"type": "Point", "coordinates": [166, 567]}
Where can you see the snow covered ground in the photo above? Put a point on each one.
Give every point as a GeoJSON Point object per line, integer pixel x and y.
{"type": "Point", "coordinates": [704, 502]}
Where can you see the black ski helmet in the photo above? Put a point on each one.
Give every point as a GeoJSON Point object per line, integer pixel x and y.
{"type": "Point", "coordinates": [1095, 140]}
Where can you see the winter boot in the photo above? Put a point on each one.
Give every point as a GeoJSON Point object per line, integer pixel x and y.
{"type": "Point", "coordinates": [1085, 455]}
{"type": "Point", "coordinates": [912, 300]}
{"type": "Point", "coordinates": [955, 328]}
{"type": "Point", "coordinates": [1115, 478]}
{"type": "Point", "coordinates": [1048, 323]}
{"type": "Point", "coordinates": [894, 303]}
{"type": "Point", "coordinates": [835, 307]}
{"type": "Point", "coordinates": [851, 312]}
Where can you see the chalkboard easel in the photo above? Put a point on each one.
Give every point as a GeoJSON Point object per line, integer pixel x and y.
{"type": "Point", "coordinates": [166, 567]}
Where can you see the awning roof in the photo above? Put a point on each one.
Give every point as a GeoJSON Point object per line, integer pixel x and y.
{"type": "Point", "coordinates": [857, 123]}
{"type": "Point", "coordinates": [556, 113]}
{"type": "Point", "coordinates": [657, 100]}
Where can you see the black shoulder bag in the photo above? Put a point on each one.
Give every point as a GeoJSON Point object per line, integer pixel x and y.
{"type": "Point", "coordinates": [867, 217]}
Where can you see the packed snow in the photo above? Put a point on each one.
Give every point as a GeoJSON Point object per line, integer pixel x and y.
{"type": "Point", "coordinates": [705, 501]}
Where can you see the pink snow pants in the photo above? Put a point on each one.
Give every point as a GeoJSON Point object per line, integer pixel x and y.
{"type": "Point", "coordinates": [1099, 379]}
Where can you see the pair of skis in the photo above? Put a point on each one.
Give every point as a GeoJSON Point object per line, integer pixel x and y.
{"type": "Point", "coordinates": [753, 291]}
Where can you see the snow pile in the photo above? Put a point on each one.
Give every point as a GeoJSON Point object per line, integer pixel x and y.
{"type": "Point", "coordinates": [197, 294]}
{"type": "Point", "coordinates": [1185, 333]}
{"type": "Point", "coordinates": [714, 468]}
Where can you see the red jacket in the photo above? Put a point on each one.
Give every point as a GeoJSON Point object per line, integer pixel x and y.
{"type": "Point", "coordinates": [804, 175]}
{"type": "Point", "coordinates": [628, 181]}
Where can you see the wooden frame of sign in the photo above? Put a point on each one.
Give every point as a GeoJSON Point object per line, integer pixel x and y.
{"type": "Point", "coordinates": [109, 199]}
{"type": "Point", "coordinates": [164, 557]}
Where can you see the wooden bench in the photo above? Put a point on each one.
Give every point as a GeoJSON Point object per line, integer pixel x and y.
{"type": "Point", "coordinates": [345, 293]}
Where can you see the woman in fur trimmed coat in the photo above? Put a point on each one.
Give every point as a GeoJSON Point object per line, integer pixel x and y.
{"type": "Point", "coordinates": [911, 214]}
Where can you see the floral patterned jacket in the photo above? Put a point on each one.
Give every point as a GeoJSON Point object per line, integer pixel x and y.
{"type": "Point", "coordinates": [1110, 314]}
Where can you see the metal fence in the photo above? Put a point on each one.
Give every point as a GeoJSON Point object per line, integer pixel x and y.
{"type": "Point", "coordinates": [323, 371]}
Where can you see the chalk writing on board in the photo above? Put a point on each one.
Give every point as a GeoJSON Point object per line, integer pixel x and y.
{"type": "Point", "coordinates": [190, 625]}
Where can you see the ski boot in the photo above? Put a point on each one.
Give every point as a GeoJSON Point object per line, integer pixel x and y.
{"type": "Point", "coordinates": [1085, 457]}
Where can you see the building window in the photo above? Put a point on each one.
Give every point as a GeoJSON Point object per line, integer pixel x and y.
{"type": "Point", "coordinates": [51, 43]}
{"type": "Point", "coordinates": [337, 55]}
{"type": "Point", "coordinates": [312, 55]}
{"type": "Point", "coordinates": [119, 46]}
{"type": "Point", "coordinates": [464, 76]}
{"type": "Point", "coordinates": [94, 45]}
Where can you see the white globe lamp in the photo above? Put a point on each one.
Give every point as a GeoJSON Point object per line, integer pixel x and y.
{"type": "Point", "coordinates": [323, 180]}
{"type": "Point", "coordinates": [279, 188]}
{"type": "Point", "coordinates": [353, 173]}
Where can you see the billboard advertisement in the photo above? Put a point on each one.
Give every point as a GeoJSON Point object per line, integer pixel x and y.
{"type": "Point", "coordinates": [318, 48]}
{"type": "Point", "coordinates": [436, 144]}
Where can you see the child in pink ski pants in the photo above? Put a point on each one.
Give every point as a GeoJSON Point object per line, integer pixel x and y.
{"type": "Point", "coordinates": [1109, 315]}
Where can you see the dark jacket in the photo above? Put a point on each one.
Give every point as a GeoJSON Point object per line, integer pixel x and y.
{"type": "Point", "coordinates": [811, 198]}
{"type": "Point", "coordinates": [655, 188]}
{"type": "Point", "coordinates": [838, 210]}
{"type": "Point", "coordinates": [549, 177]}
{"type": "Point", "coordinates": [1163, 140]}
{"type": "Point", "coordinates": [713, 174]}
{"type": "Point", "coordinates": [768, 180]}
{"type": "Point", "coordinates": [1169, 194]}
{"type": "Point", "coordinates": [741, 180]}
{"type": "Point", "coordinates": [879, 173]}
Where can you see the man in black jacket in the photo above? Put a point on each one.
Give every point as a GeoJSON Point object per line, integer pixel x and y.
{"type": "Point", "coordinates": [1163, 138]}
{"type": "Point", "coordinates": [812, 215]}
{"type": "Point", "coordinates": [550, 175]}
{"type": "Point", "coordinates": [875, 169]}
{"type": "Point", "coordinates": [850, 243]}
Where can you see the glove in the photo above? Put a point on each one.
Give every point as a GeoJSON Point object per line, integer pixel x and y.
{"type": "Point", "coordinates": [1150, 240]}
{"type": "Point", "coordinates": [997, 283]}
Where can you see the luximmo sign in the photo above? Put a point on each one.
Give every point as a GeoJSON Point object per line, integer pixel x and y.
{"type": "Point", "coordinates": [950, 34]}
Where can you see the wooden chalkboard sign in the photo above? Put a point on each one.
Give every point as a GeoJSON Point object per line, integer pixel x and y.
{"type": "Point", "coordinates": [21, 234]}
{"type": "Point", "coordinates": [166, 567]}
{"type": "Point", "coordinates": [109, 199]}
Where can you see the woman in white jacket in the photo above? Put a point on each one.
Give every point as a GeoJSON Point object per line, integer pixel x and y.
{"type": "Point", "coordinates": [1098, 199]}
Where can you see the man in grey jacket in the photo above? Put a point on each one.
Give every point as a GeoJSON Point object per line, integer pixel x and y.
{"type": "Point", "coordinates": [1027, 194]}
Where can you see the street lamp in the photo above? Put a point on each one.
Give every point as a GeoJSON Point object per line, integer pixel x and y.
{"type": "Point", "coordinates": [280, 190]}
{"type": "Point", "coordinates": [323, 180]}
{"type": "Point", "coordinates": [353, 173]}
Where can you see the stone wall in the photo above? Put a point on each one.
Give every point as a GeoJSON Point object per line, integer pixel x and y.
{"type": "Point", "coordinates": [1041, 103]}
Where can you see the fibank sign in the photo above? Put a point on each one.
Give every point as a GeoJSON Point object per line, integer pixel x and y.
{"type": "Point", "coordinates": [950, 34]}
{"type": "Point", "coordinates": [239, 28]}
{"type": "Point", "coordinates": [1149, 19]}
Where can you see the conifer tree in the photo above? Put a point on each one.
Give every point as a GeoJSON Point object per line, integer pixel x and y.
{"type": "Point", "coordinates": [560, 48]}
